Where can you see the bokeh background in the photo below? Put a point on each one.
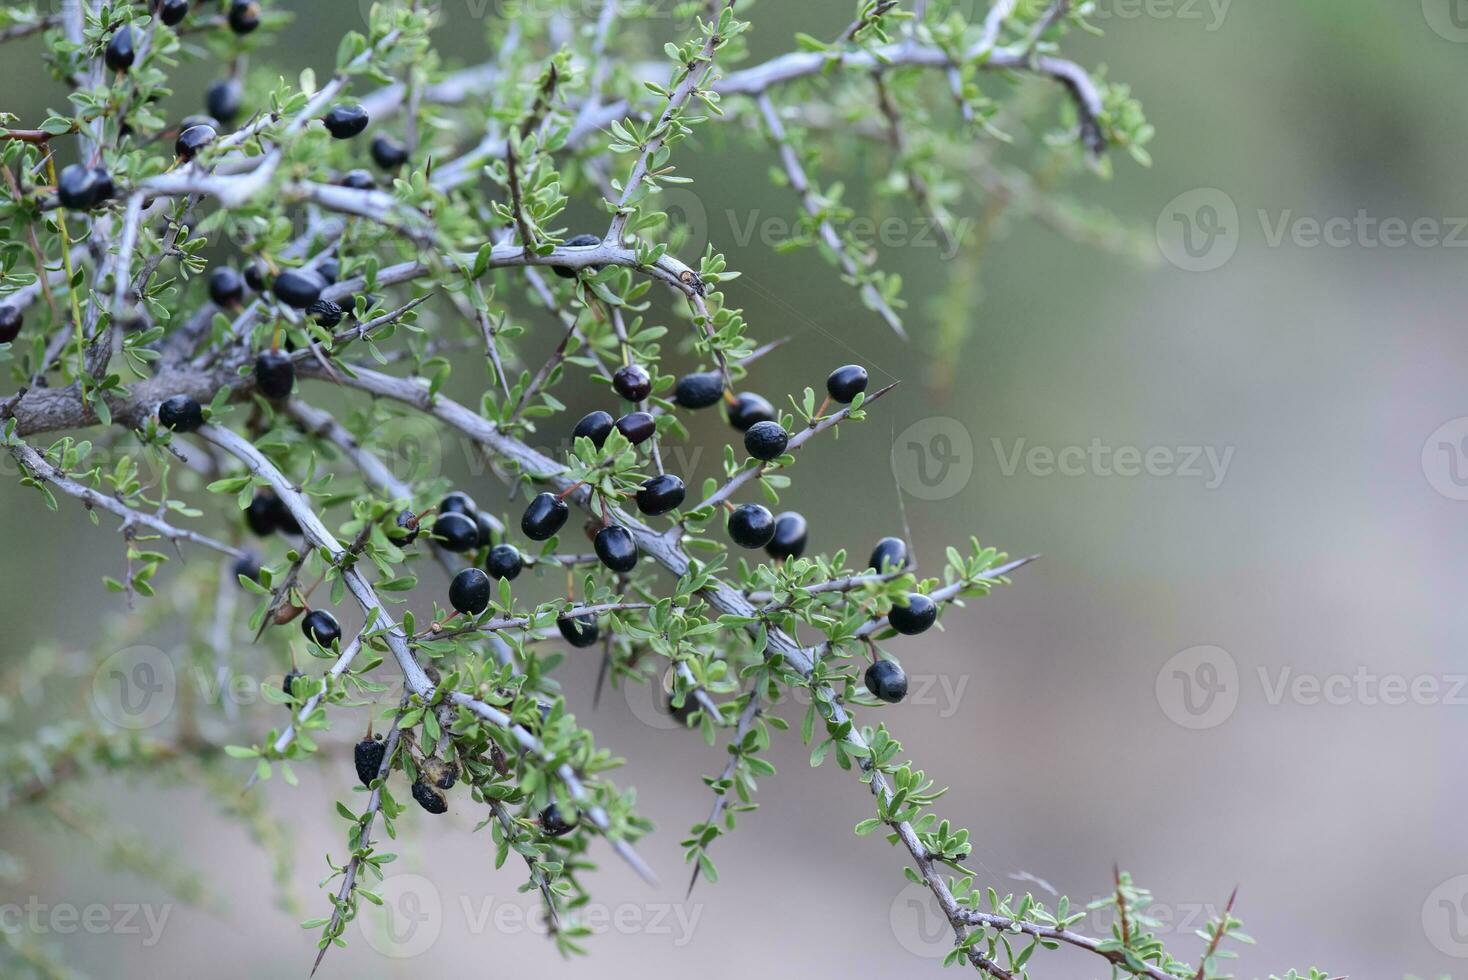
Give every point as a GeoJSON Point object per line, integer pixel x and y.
{"type": "Point", "coordinates": [1189, 683]}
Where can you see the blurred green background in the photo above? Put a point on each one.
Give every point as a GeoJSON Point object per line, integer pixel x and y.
{"type": "Point", "coordinates": [1058, 713]}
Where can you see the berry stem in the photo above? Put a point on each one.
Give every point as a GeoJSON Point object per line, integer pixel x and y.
{"type": "Point", "coordinates": [821, 412]}
{"type": "Point", "coordinates": [570, 490]}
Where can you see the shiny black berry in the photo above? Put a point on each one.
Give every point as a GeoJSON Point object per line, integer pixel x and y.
{"type": "Point", "coordinates": [748, 409]}
{"type": "Point", "coordinates": [553, 824]}
{"type": "Point", "coordinates": [545, 516]}
{"type": "Point", "coordinates": [321, 627]}
{"type": "Point", "coordinates": [456, 532]}
{"type": "Point", "coordinates": [368, 756]}
{"type": "Point", "coordinates": [256, 276]}
{"type": "Point", "coordinates": [637, 427]}
{"type": "Point", "coordinates": [504, 561]}
{"type": "Point", "coordinates": [76, 188]}
{"type": "Point", "coordinates": [458, 503]}
{"type": "Point", "coordinates": [487, 529]}
{"type": "Point", "coordinates": [580, 241]}
{"type": "Point", "coordinates": [358, 180]}
{"type": "Point", "coordinates": [345, 121]}
{"type": "Point", "coordinates": [298, 288]}
{"type": "Point", "coordinates": [469, 592]}
{"type": "Point", "coordinates": [387, 152]}
{"type": "Point", "coordinates": [244, 16]}
{"type": "Point", "coordinates": [845, 383]}
{"type": "Point", "coordinates": [224, 99]}
{"type": "Point", "coordinates": [226, 286]}
{"type": "Point", "coordinates": [407, 528]}
{"type": "Point", "coordinates": [120, 53]}
{"type": "Point", "coordinates": [790, 536]}
{"type": "Point", "coordinates": [180, 413]}
{"type": "Point", "coordinates": [889, 555]}
{"type": "Point", "coordinates": [260, 515]}
{"type": "Point", "coordinates": [699, 390]}
{"type": "Point", "coordinates": [275, 374]}
{"type": "Point", "coordinates": [248, 566]}
{"type": "Point", "coordinates": [660, 495]}
{"type": "Point", "coordinates": [105, 189]}
{"type": "Point", "coordinates": [11, 320]}
{"type": "Point", "coordinates": [579, 631]}
{"type": "Point", "coordinates": [595, 426]}
{"type": "Point", "coordinates": [329, 269]}
{"type": "Point", "coordinates": [886, 681]}
{"type": "Point", "coordinates": [429, 797]}
{"type": "Point", "coordinates": [766, 440]}
{"type": "Point", "coordinates": [194, 139]}
{"type": "Point", "coordinates": [327, 313]}
{"type": "Point", "coordinates": [616, 549]}
{"type": "Point", "coordinates": [173, 12]}
{"type": "Point", "coordinates": [288, 684]}
{"type": "Point", "coordinates": [751, 526]}
{"type": "Point", "coordinates": [285, 521]}
{"type": "Point", "coordinates": [632, 382]}
{"type": "Point", "coordinates": [916, 617]}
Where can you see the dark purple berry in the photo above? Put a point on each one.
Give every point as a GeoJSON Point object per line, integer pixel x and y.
{"type": "Point", "coordinates": [181, 413]}
{"type": "Point", "coordinates": [469, 592]}
{"type": "Point", "coordinates": [916, 617]}
{"type": "Point", "coordinates": [298, 288]}
{"type": "Point", "coordinates": [616, 548]}
{"type": "Point", "coordinates": [329, 269]}
{"type": "Point", "coordinates": [193, 139]}
{"type": "Point", "coordinates": [368, 756]}
{"type": "Point", "coordinates": [285, 521]}
{"type": "Point", "coordinates": [247, 566]}
{"type": "Point", "coordinates": [387, 152]}
{"type": "Point", "coordinates": [889, 555]}
{"type": "Point", "coordinates": [407, 527]}
{"type": "Point", "coordinates": [660, 495]}
{"type": "Point", "coordinates": [632, 382]}
{"type": "Point", "coordinates": [458, 503]}
{"type": "Point", "coordinates": [552, 824]}
{"type": "Point", "coordinates": [845, 383]}
{"type": "Point", "coordinates": [244, 16]}
{"type": "Point", "coordinates": [275, 374]}
{"type": "Point", "coordinates": [104, 189]}
{"type": "Point", "coordinates": [456, 533]}
{"type": "Point", "coordinates": [256, 276]}
{"type": "Point", "coordinates": [77, 189]}
{"type": "Point", "coordinates": [226, 286]}
{"type": "Point", "coordinates": [11, 320]}
{"type": "Point", "coordinates": [545, 516]}
{"type": "Point", "coordinates": [579, 631]}
{"type": "Point", "coordinates": [120, 54]}
{"type": "Point", "coordinates": [699, 390]}
{"type": "Point", "coordinates": [751, 526]}
{"type": "Point", "coordinates": [358, 180]}
{"type": "Point", "coordinates": [429, 797]}
{"type": "Point", "coordinates": [580, 241]}
{"type": "Point", "coordinates": [173, 12]}
{"type": "Point", "coordinates": [595, 426]}
{"type": "Point", "coordinates": [637, 427]}
{"type": "Point", "coordinates": [504, 562]}
{"type": "Point", "coordinates": [790, 537]}
{"type": "Point", "coordinates": [327, 313]}
{"type": "Point", "coordinates": [345, 121]}
{"type": "Point", "coordinates": [748, 409]}
{"type": "Point", "coordinates": [886, 681]}
{"type": "Point", "coordinates": [224, 100]}
{"type": "Point", "coordinates": [321, 628]}
{"type": "Point", "coordinates": [288, 684]}
{"type": "Point", "coordinates": [260, 515]}
{"type": "Point", "coordinates": [766, 440]}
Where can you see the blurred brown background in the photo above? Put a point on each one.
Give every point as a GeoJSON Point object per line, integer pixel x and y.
{"type": "Point", "coordinates": [1072, 713]}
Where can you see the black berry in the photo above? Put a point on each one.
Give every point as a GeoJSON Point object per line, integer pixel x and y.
{"type": "Point", "coordinates": [193, 139]}
{"type": "Point", "coordinates": [790, 536]}
{"type": "Point", "coordinates": [224, 99]}
{"type": "Point", "coordinates": [11, 320]}
{"type": "Point", "coordinates": [173, 12]}
{"type": "Point", "coordinates": [329, 269]}
{"type": "Point", "coordinates": [345, 121]}
{"type": "Point", "coordinates": [553, 824]}
{"type": "Point", "coordinates": [120, 54]}
{"type": "Point", "coordinates": [285, 521]}
{"type": "Point", "coordinates": [247, 565]}
{"type": "Point", "coordinates": [244, 16]}
{"type": "Point", "coordinates": [766, 440]}
{"type": "Point", "coordinates": [288, 684]}
{"type": "Point", "coordinates": [77, 189]}
{"type": "Point", "coordinates": [368, 756]}
{"type": "Point", "coordinates": [638, 427]}
{"type": "Point", "coordinates": [504, 561]}
{"type": "Point", "coordinates": [595, 426]}
{"type": "Point", "coordinates": [256, 276]}
{"type": "Point", "coordinates": [580, 241]}
{"type": "Point", "coordinates": [298, 288]}
{"type": "Point", "coordinates": [469, 592]}
{"type": "Point", "coordinates": [429, 797]}
{"type": "Point", "coordinates": [358, 180]}
{"type": "Point", "coordinates": [748, 409]}
{"type": "Point", "coordinates": [260, 515]}
{"type": "Point", "coordinates": [321, 628]}
{"type": "Point", "coordinates": [456, 532]}
{"type": "Point", "coordinates": [916, 617]}
{"type": "Point", "coordinates": [545, 516]}
{"type": "Point", "coordinates": [180, 413]}
{"type": "Point", "coordinates": [275, 374]}
{"type": "Point", "coordinates": [387, 152]}
{"type": "Point", "coordinates": [407, 527]}
{"type": "Point", "coordinates": [632, 382]}
{"type": "Point", "coordinates": [660, 495]}
{"type": "Point", "coordinates": [889, 555]}
{"type": "Point", "coordinates": [458, 503]}
{"type": "Point", "coordinates": [886, 681]}
{"type": "Point", "coordinates": [226, 286]}
{"type": "Point", "coordinates": [845, 383]}
{"type": "Point", "coordinates": [699, 390]}
{"type": "Point", "coordinates": [327, 313]}
{"type": "Point", "coordinates": [751, 526]}
{"type": "Point", "coordinates": [579, 631]}
{"type": "Point", "coordinates": [616, 549]}
{"type": "Point", "coordinates": [104, 189]}
{"type": "Point", "coordinates": [485, 525]}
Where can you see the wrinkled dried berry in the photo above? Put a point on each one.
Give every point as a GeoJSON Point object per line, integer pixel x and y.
{"type": "Point", "coordinates": [327, 313]}
{"type": "Point", "coordinates": [766, 440]}
{"type": "Point", "coordinates": [429, 797]}
{"type": "Point", "coordinates": [368, 756]}
{"type": "Point", "coordinates": [438, 773]}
